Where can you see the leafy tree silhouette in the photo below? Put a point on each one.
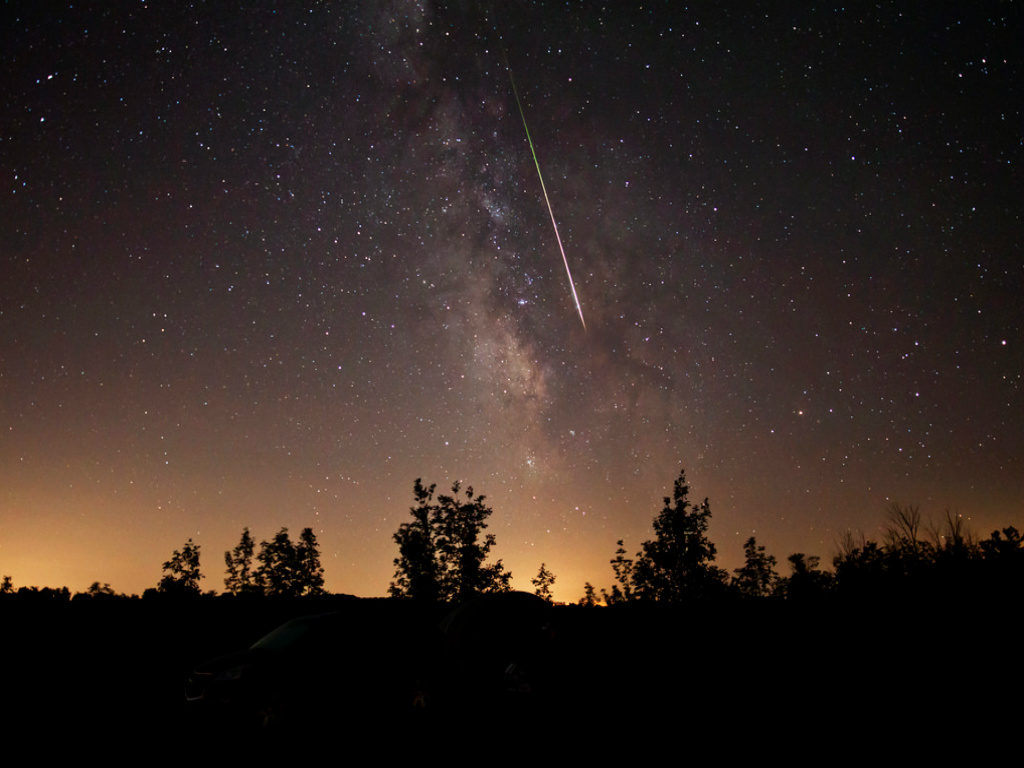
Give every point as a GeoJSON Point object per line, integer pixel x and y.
{"type": "Point", "coordinates": [440, 553]}
{"type": "Point", "coordinates": [1007, 546]}
{"type": "Point", "coordinates": [1003, 557]}
{"type": "Point", "coordinates": [589, 596]}
{"type": "Point", "coordinates": [624, 569]}
{"type": "Point", "coordinates": [914, 560]}
{"type": "Point", "coordinates": [677, 564]}
{"type": "Point", "coordinates": [861, 566]}
{"type": "Point", "coordinates": [417, 568]}
{"type": "Point", "coordinates": [100, 590]}
{"type": "Point", "coordinates": [757, 577]}
{"type": "Point", "coordinates": [543, 582]}
{"type": "Point", "coordinates": [311, 573]}
{"type": "Point", "coordinates": [288, 569]}
{"type": "Point", "coordinates": [240, 578]}
{"type": "Point", "coordinates": [807, 580]}
{"type": "Point", "coordinates": [45, 594]}
{"type": "Point", "coordinates": [181, 572]}
{"type": "Point", "coordinates": [277, 562]}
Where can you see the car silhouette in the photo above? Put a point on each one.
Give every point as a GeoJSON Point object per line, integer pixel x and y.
{"type": "Point", "coordinates": [311, 671]}
{"type": "Point", "coordinates": [389, 664]}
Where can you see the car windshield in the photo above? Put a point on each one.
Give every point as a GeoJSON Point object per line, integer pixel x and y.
{"type": "Point", "coordinates": [283, 637]}
{"type": "Point", "coordinates": [309, 630]}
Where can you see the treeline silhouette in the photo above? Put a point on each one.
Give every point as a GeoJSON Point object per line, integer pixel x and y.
{"type": "Point", "coordinates": [443, 557]}
{"type": "Point", "coordinates": [807, 652]}
{"type": "Point", "coordinates": [915, 559]}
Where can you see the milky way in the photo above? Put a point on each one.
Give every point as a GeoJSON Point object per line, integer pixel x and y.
{"type": "Point", "coordinates": [266, 268]}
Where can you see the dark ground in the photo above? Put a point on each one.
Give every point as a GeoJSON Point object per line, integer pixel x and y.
{"type": "Point", "coordinates": [109, 674]}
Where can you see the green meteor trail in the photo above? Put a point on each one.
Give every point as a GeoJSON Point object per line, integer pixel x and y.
{"type": "Point", "coordinates": [572, 286]}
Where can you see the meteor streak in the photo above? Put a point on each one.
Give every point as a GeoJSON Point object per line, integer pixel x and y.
{"type": "Point", "coordinates": [572, 286]}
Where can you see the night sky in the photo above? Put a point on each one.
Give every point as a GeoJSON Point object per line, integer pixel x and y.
{"type": "Point", "coordinates": [267, 267]}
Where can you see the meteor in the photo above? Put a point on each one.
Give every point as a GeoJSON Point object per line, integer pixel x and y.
{"type": "Point", "coordinates": [572, 286]}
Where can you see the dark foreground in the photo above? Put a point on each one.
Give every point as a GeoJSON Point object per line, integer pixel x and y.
{"type": "Point", "coordinates": [110, 675]}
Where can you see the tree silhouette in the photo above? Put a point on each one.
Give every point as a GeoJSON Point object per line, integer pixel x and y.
{"type": "Point", "coordinates": [100, 590]}
{"type": "Point", "coordinates": [276, 572]}
{"type": "Point", "coordinates": [861, 566]}
{"type": "Point", "coordinates": [7, 586]}
{"type": "Point", "coordinates": [288, 569]}
{"type": "Point", "coordinates": [50, 594]}
{"type": "Point", "coordinates": [589, 596]}
{"type": "Point", "coordinates": [757, 577]}
{"type": "Point", "coordinates": [907, 553]}
{"type": "Point", "coordinates": [1003, 557]}
{"type": "Point", "coordinates": [677, 564]}
{"type": "Point", "coordinates": [903, 528]}
{"type": "Point", "coordinates": [311, 573]}
{"type": "Point", "coordinates": [952, 540]}
{"type": "Point", "coordinates": [240, 578]}
{"type": "Point", "coordinates": [440, 553]}
{"type": "Point", "coordinates": [915, 559]}
{"type": "Point", "coordinates": [806, 581]}
{"type": "Point", "coordinates": [624, 568]}
{"type": "Point", "coordinates": [1007, 546]}
{"type": "Point", "coordinates": [543, 582]}
{"type": "Point", "coordinates": [417, 571]}
{"type": "Point", "coordinates": [181, 572]}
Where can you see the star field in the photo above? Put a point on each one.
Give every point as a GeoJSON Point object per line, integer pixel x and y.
{"type": "Point", "coordinates": [266, 268]}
